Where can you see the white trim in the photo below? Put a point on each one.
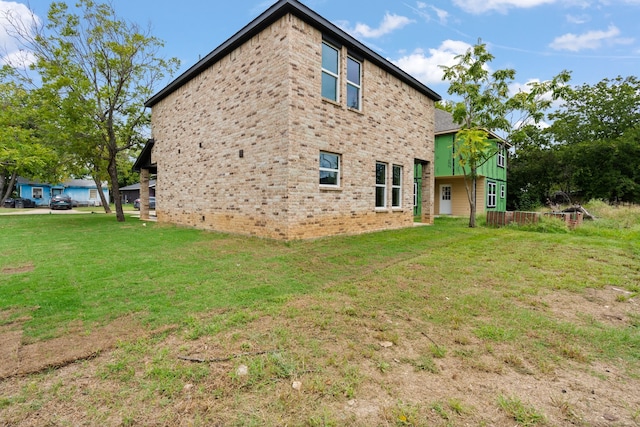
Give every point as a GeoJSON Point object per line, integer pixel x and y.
{"type": "Point", "coordinates": [330, 170]}
{"type": "Point", "coordinates": [396, 187]}
{"type": "Point", "coordinates": [492, 195]}
{"type": "Point", "coordinates": [331, 73]}
{"type": "Point", "coordinates": [358, 86]}
{"type": "Point", "coordinates": [383, 185]}
{"type": "Point", "coordinates": [33, 196]}
{"type": "Point", "coordinates": [501, 156]}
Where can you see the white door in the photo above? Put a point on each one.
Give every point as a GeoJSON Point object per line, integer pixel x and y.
{"type": "Point", "coordinates": [445, 199]}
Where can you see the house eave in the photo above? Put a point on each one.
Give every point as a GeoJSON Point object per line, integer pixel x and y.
{"type": "Point", "coordinates": [271, 15]}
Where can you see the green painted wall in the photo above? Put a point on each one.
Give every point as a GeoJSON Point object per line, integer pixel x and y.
{"type": "Point", "coordinates": [446, 165]}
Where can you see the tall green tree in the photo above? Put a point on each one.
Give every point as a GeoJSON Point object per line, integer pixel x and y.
{"type": "Point", "coordinates": [485, 104]}
{"type": "Point", "coordinates": [98, 70]}
{"type": "Point", "coordinates": [22, 151]}
{"type": "Point", "coordinates": [597, 131]}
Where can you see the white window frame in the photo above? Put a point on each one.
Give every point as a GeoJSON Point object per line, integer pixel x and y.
{"type": "Point", "coordinates": [93, 193]}
{"type": "Point", "coordinates": [382, 186]}
{"type": "Point", "coordinates": [33, 193]}
{"type": "Point", "coordinates": [396, 187]}
{"type": "Point", "coordinates": [332, 170]}
{"type": "Point", "coordinates": [332, 74]}
{"type": "Point", "coordinates": [502, 191]}
{"type": "Point", "coordinates": [358, 86]}
{"type": "Point", "coordinates": [501, 156]}
{"type": "Point", "coordinates": [492, 192]}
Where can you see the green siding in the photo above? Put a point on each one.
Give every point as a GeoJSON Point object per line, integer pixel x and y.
{"type": "Point", "coordinates": [444, 156]}
{"type": "Point", "coordinates": [446, 165]}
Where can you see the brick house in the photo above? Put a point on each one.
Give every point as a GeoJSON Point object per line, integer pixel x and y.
{"type": "Point", "coordinates": [291, 129]}
{"type": "Point", "coordinates": [450, 192]}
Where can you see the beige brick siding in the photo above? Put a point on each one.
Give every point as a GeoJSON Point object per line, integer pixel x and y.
{"type": "Point", "coordinates": [264, 99]}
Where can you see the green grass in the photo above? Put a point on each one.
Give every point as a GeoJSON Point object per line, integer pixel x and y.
{"type": "Point", "coordinates": [445, 295]}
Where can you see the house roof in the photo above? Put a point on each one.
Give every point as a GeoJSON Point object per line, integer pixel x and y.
{"type": "Point", "coordinates": [152, 184]}
{"type": "Point", "coordinates": [275, 12]}
{"type": "Point", "coordinates": [75, 183]}
{"type": "Point", "coordinates": [444, 125]}
{"type": "Point", "coordinates": [144, 159]}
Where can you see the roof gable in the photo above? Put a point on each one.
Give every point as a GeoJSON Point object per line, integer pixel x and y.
{"type": "Point", "coordinates": [275, 12]}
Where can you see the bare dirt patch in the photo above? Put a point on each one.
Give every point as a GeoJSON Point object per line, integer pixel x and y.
{"type": "Point", "coordinates": [600, 305]}
{"type": "Point", "coordinates": [318, 362]}
{"type": "Point", "coordinates": [18, 269]}
{"type": "Point", "coordinates": [20, 359]}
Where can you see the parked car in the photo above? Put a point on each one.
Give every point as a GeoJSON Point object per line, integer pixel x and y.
{"type": "Point", "coordinates": [61, 201]}
{"type": "Point", "coordinates": [152, 203]}
{"type": "Point", "coordinates": [19, 202]}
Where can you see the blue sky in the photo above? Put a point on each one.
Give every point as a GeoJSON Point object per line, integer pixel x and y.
{"type": "Point", "coordinates": [595, 39]}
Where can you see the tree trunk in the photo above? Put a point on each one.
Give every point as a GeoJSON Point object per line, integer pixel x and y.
{"type": "Point", "coordinates": [105, 204]}
{"type": "Point", "coordinates": [472, 203]}
{"type": "Point", "coordinates": [6, 193]}
{"type": "Point", "coordinates": [115, 188]}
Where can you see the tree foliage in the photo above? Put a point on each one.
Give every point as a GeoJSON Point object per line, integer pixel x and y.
{"type": "Point", "coordinates": [486, 105]}
{"type": "Point", "coordinates": [96, 72]}
{"type": "Point", "coordinates": [22, 150]}
{"type": "Point", "coordinates": [591, 150]}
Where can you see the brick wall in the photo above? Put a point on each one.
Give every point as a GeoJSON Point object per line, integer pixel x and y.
{"type": "Point", "coordinates": [237, 147]}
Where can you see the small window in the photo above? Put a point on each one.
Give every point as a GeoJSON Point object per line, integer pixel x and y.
{"type": "Point", "coordinates": [381, 185]}
{"type": "Point", "coordinates": [502, 191]}
{"type": "Point", "coordinates": [501, 156]}
{"type": "Point", "coordinates": [330, 72]}
{"type": "Point", "coordinates": [93, 194]}
{"type": "Point", "coordinates": [396, 187]}
{"type": "Point", "coordinates": [36, 193]}
{"type": "Point", "coordinates": [491, 194]}
{"type": "Point", "coordinates": [329, 169]}
{"type": "Point", "coordinates": [354, 77]}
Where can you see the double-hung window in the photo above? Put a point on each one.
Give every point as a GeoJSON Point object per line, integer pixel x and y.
{"type": "Point", "coordinates": [381, 185]}
{"type": "Point", "coordinates": [396, 187]}
{"type": "Point", "coordinates": [501, 156]}
{"type": "Point", "coordinates": [491, 194]}
{"type": "Point", "coordinates": [329, 169]}
{"type": "Point", "coordinates": [354, 79]}
{"type": "Point", "coordinates": [330, 72]}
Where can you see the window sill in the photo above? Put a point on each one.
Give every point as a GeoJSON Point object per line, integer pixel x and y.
{"type": "Point", "coordinates": [355, 110]}
{"type": "Point", "coordinates": [328, 188]}
{"type": "Point", "coordinates": [332, 102]}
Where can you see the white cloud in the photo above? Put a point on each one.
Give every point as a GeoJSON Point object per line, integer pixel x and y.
{"type": "Point", "coordinates": [578, 19]}
{"type": "Point", "coordinates": [12, 13]}
{"type": "Point", "coordinates": [18, 59]}
{"type": "Point", "coordinates": [589, 40]}
{"type": "Point", "coordinates": [425, 66]}
{"type": "Point", "coordinates": [390, 23]}
{"type": "Point", "coordinates": [424, 10]}
{"type": "Point", "coordinates": [482, 6]}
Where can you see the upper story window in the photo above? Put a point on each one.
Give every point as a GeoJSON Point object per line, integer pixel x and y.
{"type": "Point", "coordinates": [501, 156]}
{"type": "Point", "coordinates": [354, 78]}
{"type": "Point", "coordinates": [329, 169]}
{"type": "Point", "coordinates": [381, 185]}
{"type": "Point", "coordinates": [330, 72]}
{"type": "Point", "coordinates": [396, 187]}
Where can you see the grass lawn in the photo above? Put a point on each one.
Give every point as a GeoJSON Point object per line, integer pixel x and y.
{"type": "Point", "coordinates": [433, 325]}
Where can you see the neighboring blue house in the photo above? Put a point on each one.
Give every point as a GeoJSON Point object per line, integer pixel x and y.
{"type": "Point", "coordinates": [83, 191]}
